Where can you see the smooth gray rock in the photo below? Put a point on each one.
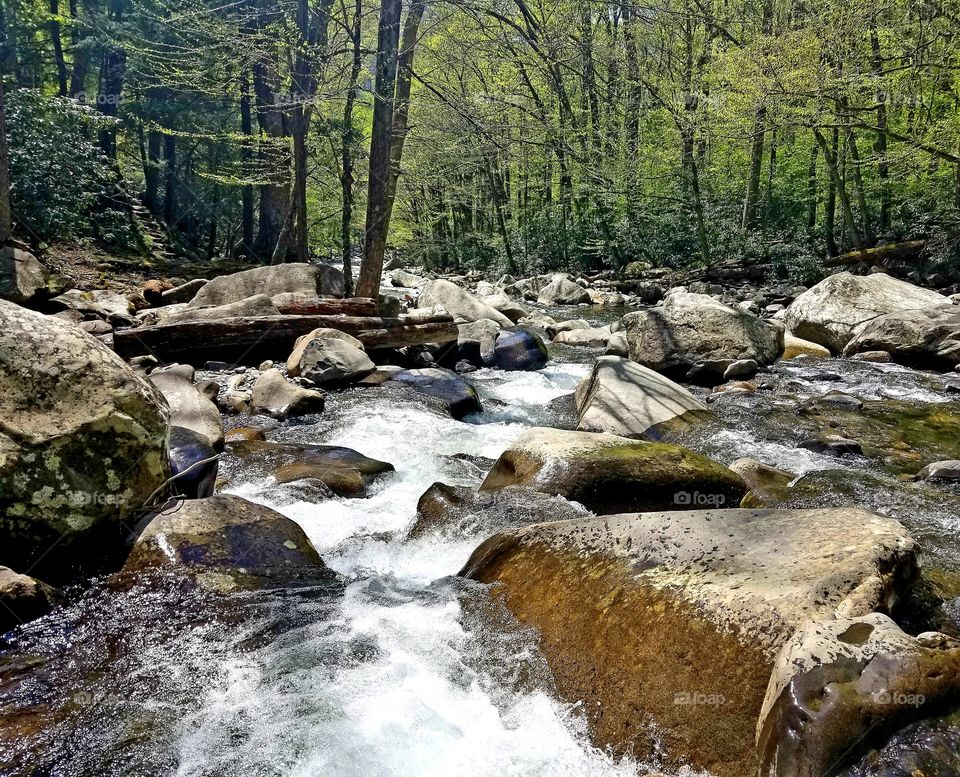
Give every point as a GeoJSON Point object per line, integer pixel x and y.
{"type": "Point", "coordinates": [459, 303]}
{"type": "Point", "coordinates": [299, 278]}
{"type": "Point", "coordinates": [275, 396]}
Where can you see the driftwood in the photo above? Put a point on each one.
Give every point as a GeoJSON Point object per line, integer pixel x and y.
{"type": "Point", "coordinates": [252, 339]}
{"type": "Point", "coordinates": [297, 305]}
{"type": "Point", "coordinates": [894, 252]}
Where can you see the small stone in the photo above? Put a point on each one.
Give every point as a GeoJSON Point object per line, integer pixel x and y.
{"type": "Point", "coordinates": [832, 444]}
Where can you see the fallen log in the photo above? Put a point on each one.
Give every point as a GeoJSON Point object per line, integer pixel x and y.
{"type": "Point", "coordinates": [893, 252]}
{"type": "Point", "coordinates": [298, 305]}
{"type": "Point", "coordinates": [252, 339]}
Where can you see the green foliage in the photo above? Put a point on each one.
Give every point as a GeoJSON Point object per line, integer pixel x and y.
{"type": "Point", "coordinates": [57, 170]}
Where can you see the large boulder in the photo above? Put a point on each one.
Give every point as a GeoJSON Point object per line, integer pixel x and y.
{"type": "Point", "coordinates": [841, 687]}
{"type": "Point", "coordinates": [458, 396]}
{"type": "Point", "coordinates": [584, 338]}
{"type": "Point", "coordinates": [298, 278]}
{"type": "Point", "coordinates": [275, 396]}
{"type": "Point", "coordinates": [225, 544]}
{"type": "Point", "coordinates": [690, 329]}
{"type": "Point", "coordinates": [327, 356]}
{"type": "Point", "coordinates": [925, 337]}
{"type": "Point", "coordinates": [484, 333]}
{"type": "Point", "coordinates": [829, 313]}
{"type": "Point", "coordinates": [22, 278]}
{"type": "Point", "coordinates": [100, 303]}
{"type": "Point", "coordinates": [666, 626]}
{"type": "Point", "coordinates": [563, 291]}
{"type": "Point", "coordinates": [83, 445]}
{"type": "Point", "coordinates": [610, 474]}
{"type": "Point", "coordinates": [509, 307]}
{"type": "Point", "coordinates": [622, 397]}
{"type": "Point", "coordinates": [459, 303]}
{"type": "Point", "coordinates": [520, 349]}
{"type": "Point", "coordinates": [188, 407]}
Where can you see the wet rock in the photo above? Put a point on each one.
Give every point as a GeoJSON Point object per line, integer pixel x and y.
{"type": "Point", "coordinates": [478, 337]}
{"type": "Point", "coordinates": [23, 280]}
{"type": "Point", "coordinates": [275, 396]}
{"type": "Point", "coordinates": [193, 462]}
{"type": "Point", "coordinates": [520, 349]}
{"type": "Point", "coordinates": [459, 303]}
{"type": "Point", "coordinates": [458, 396]}
{"type": "Point", "coordinates": [666, 626]}
{"type": "Point", "coordinates": [833, 445]}
{"type": "Point", "coordinates": [832, 400]}
{"type": "Point", "coordinates": [82, 446]}
{"type": "Point", "coordinates": [226, 543]}
{"type": "Point", "coordinates": [929, 747]}
{"type": "Point", "coordinates": [875, 357]}
{"type": "Point", "coordinates": [341, 471]}
{"type": "Point", "coordinates": [829, 313]}
{"type": "Point", "coordinates": [742, 368]}
{"type": "Point", "coordinates": [761, 477]}
{"type": "Point", "coordinates": [329, 357]}
{"type": "Point", "coordinates": [459, 511]}
{"type": "Point", "coordinates": [188, 407]}
{"type": "Point", "coordinates": [566, 326]}
{"type": "Point", "coordinates": [840, 686]}
{"type": "Point", "coordinates": [929, 337]}
{"type": "Point", "coordinates": [941, 472]}
{"type": "Point", "coordinates": [625, 398]}
{"type": "Point", "coordinates": [608, 474]}
{"type": "Point", "coordinates": [298, 278]}
{"type": "Point", "coordinates": [23, 599]}
{"type": "Point", "coordinates": [562, 291]}
{"type": "Point", "coordinates": [244, 434]}
{"type": "Point", "coordinates": [694, 328]}
{"type": "Point", "coordinates": [584, 338]}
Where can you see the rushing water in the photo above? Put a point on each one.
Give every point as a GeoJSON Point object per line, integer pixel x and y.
{"type": "Point", "coordinates": [401, 668]}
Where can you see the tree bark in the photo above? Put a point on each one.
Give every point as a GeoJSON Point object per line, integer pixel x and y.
{"type": "Point", "coordinates": [378, 214]}
{"type": "Point", "coordinates": [6, 214]}
{"type": "Point", "coordinates": [880, 145]}
{"type": "Point", "coordinates": [830, 159]}
{"type": "Point", "coordinates": [108, 101]}
{"type": "Point", "coordinates": [151, 171]}
{"type": "Point", "coordinates": [81, 57]}
{"type": "Point", "coordinates": [812, 189]}
{"type": "Point", "coordinates": [170, 203]}
{"type": "Point", "coordinates": [274, 160]}
{"type": "Point", "coordinates": [347, 139]}
{"type": "Point", "coordinates": [57, 42]}
{"type": "Point", "coordinates": [246, 158]}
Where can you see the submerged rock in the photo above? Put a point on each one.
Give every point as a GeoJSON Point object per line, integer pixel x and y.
{"type": "Point", "coordinates": [520, 349]}
{"type": "Point", "coordinates": [226, 543]}
{"type": "Point", "coordinates": [458, 396]}
{"type": "Point", "coordinates": [23, 599]}
{"type": "Point", "coordinates": [841, 686]}
{"type": "Point", "coordinates": [623, 397]}
{"type": "Point", "coordinates": [693, 329]}
{"type": "Point", "coordinates": [666, 626]}
{"type": "Point", "coordinates": [83, 444]}
{"type": "Point", "coordinates": [829, 313]}
{"type": "Point", "coordinates": [610, 474]}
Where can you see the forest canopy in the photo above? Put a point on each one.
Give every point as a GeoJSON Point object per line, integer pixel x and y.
{"type": "Point", "coordinates": [502, 135]}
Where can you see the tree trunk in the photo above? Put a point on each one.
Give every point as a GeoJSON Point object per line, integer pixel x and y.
{"type": "Point", "coordinates": [6, 217]}
{"type": "Point", "coordinates": [812, 189]}
{"type": "Point", "coordinates": [866, 234]}
{"type": "Point", "coordinates": [170, 204]}
{"type": "Point", "coordinates": [880, 145]}
{"type": "Point", "coordinates": [151, 171]}
{"type": "Point", "coordinates": [81, 57]}
{"type": "Point", "coordinates": [347, 139]}
{"type": "Point", "coordinates": [274, 161]}
{"type": "Point", "coordinates": [108, 101]}
{"type": "Point", "coordinates": [830, 159]}
{"type": "Point", "coordinates": [830, 209]}
{"type": "Point", "coordinates": [378, 214]}
{"type": "Point", "coordinates": [751, 199]}
{"type": "Point", "coordinates": [57, 42]}
{"type": "Point", "coordinates": [246, 158]}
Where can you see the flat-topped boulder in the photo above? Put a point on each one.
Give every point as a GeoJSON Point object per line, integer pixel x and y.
{"type": "Point", "coordinates": [829, 313]}
{"type": "Point", "coordinates": [563, 291]}
{"type": "Point", "coordinates": [691, 329]}
{"type": "Point", "coordinates": [300, 278]}
{"type": "Point", "coordinates": [622, 397]}
{"type": "Point", "coordinates": [924, 337]}
{"type": "Point", "coordinates": [83, 445]}
{"type": "Point", "coordinates": [666, 626]}
{"type": "Point", "coordinates": [226, 543]}
{"type": "Point", "coordinates": [607, 473]}
{"type": "Point", "coordinates": [256, 305]}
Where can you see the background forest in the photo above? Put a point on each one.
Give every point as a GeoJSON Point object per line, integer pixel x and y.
{"type": "Point", "coordinates": [527, 135]}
